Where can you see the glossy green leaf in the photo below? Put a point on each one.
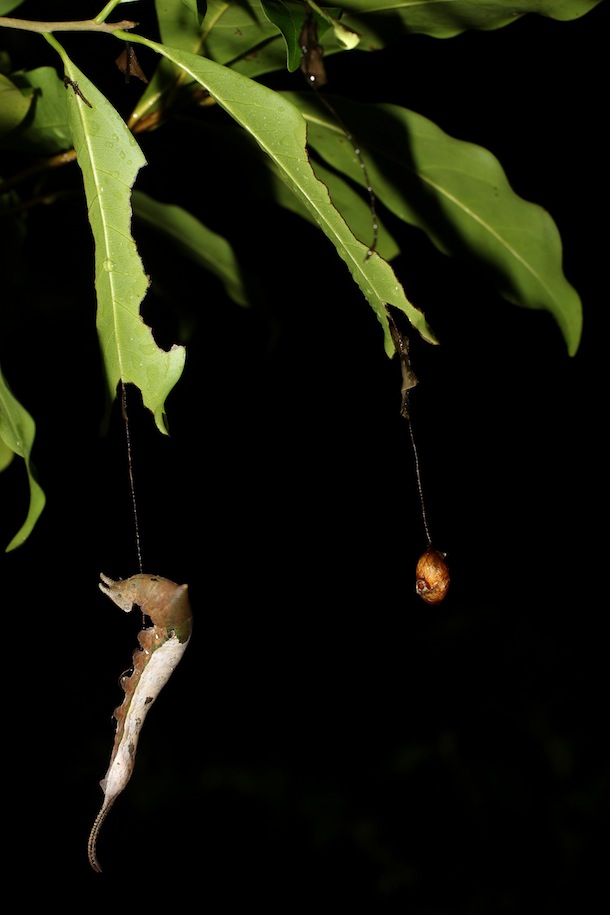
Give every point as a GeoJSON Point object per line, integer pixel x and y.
{"type": "Point", "coordinates": [17, 432]}
{"type": "Point", "coordinates": [354, 208]}
{"type": "Point", "coordinates": [110, 159]}
{"type": "Point", "coordinates": [238, 35]}
{"type": "Point", "coordinates": [259, 173]}
{"type": "Point", "coordinates": [347, 38]}
{"type": "Point", "coordinates": [288, 16]}
{"type": "Point", "coordinates": [179, 20]}
{"type": "Point", "coordinates": [197, 8]}
{"type": "Point", "coordinates": [262, 49]}
{"type": "Point", "coordinates": [179, 28]}
{"type": "Point", "coordinates": [235, 29]}
{"type": "Point", "coordinates": [241, 36]}
{"type": "Point", "coordinates": [14, 105]}
{"type": "Point", "coordinates": [6, 455]}
{"type": "Point", "coordinates": [280, 131]}
{"type": "Point", "coordinates": [183, 231]}
{"type": "Point", "coordinates": [7, 6]}
{"type": "Point", "coordinates": [457, 193]}
{"type": "Point", "coordinates": [46, 130]}
{"type": "Point", "coordinates": [387, 20]}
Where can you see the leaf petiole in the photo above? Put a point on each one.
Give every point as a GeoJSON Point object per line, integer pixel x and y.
{"type": "Point", "coordinates": [103, 15]}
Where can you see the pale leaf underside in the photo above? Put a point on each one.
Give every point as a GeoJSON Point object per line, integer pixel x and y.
{"type": "Point", "coordinates": [110, 159]}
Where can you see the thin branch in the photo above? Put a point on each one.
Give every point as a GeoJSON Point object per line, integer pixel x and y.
{"type": "Point", "coordinates": [76, 25]}
{"type": "Point", "coordinates": [150, 122]}
{"type": "Point", "coordinates": [45, 165]}
{"type": "Point", "coordinates": [41, 200]}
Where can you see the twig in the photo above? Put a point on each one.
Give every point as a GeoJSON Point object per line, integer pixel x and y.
{"type": "Point", "coordinates": [45, 165]}
{"type": "Point", "coordinates": [150, 122]}
{"type": "Point", "coordinates": [75, 25]}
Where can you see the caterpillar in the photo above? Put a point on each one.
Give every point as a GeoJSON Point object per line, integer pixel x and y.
{"type": "Point", "coordinates": [160, 648]}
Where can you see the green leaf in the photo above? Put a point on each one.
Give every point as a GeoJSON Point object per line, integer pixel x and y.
{"type": "Point", "coordinates": [280, 131]}
{"type": "Point", "coordinates": [110, 159]}
{"type": "Point", "coordinates": [14, 105]}
{"type": "Point", "coordinates": [347, 38]}
{"type": "Point", "coordinates": [354, 209]}
{"type": "Point", "coordinates": [288, 16]}
{"type": "Point", "coordinates": [241, 36]}
{"type": "Point", "coordinates": [457, 193]}
{"type": "Point", "coordinates": [197, 8]}
{"type": "Point", "coordinates": [232, 30]}
{"type": "Point", "coordinates": [6, 455]}
{"type": "Point", "coordinates": [382, 21]}
{"type": "Point", "coordinates": [45, 131]}
{"type": "Point", "coordinates": [186, 233]}
{"type": "Point", "coordinates": [17, 431]}
{"type": "Point", "coordinates": [7, 6]}
{"type": "Point", "coordinates": [179, 22]}
{"type": "Point", "coordinates": [179, 28]}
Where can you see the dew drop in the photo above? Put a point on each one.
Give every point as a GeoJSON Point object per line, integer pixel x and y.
{"type": "Point", "coordinates": [108, 265]}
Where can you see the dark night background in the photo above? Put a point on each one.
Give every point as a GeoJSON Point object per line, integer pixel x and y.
{"type": "Point", "coordinates": [329, 740]}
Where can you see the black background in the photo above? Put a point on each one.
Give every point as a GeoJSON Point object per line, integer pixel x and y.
{"type": "Point", "coordinates": [329, 739]}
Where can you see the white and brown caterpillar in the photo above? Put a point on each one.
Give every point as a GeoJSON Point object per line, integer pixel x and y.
{"type": "Point", "coordinates": [161, 647]}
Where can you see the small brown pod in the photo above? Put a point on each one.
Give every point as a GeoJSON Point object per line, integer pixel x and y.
{"type": "Point", "coordinates": [432, 576]}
